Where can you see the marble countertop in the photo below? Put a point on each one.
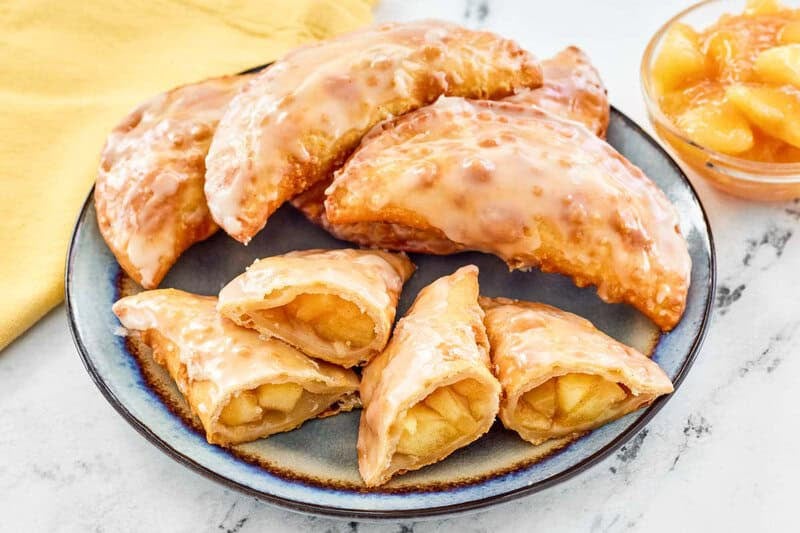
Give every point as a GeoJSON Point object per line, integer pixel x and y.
{"type": "Point", "coordinates": [721, 455]}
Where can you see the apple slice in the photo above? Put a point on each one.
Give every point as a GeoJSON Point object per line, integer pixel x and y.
{"type": "Point", "coordinates": [595, 405]}
{"type": "Point", "coordinates": [571, 389]}
{"type": "Point", "coordinates": [779, 65]}
{"type": "Point", "coordinates": [775, 110]}
{"type": "Point", "coordinates": [279, 396]}
{"type": "Point", "coordinates": [542, 399]}
{"type": "Point", "coordinates": [718, 126]}
{"type": "Point", "coordinates": [452, 407]}
{"type": "Point", "coordinates": [424, 432]}
{"type": "Point", "coordinates": [679, 61]}
{"type": "Point", "coordinates": [242, 409]}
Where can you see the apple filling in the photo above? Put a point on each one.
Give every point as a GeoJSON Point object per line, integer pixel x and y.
{"type": "Point", "coordinates": [272, 403]}
{"type": "Point", "coordinates": [329, 317]}
{"type": "Point", "coordinates": [572, 400]}
{"type": "Point", "coordinates": [443, 417]}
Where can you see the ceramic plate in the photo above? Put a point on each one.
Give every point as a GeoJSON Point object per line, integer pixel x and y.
{"type": "Point", "coordinates": [314, 469]}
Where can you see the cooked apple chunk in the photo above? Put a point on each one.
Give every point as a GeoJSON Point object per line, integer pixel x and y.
{"type": "Point", "coordinates": [280, 396]}
{"type": "Point", "coordinates": [680, 60]}
{"type": "Point", "coordinates": [775, 110]}
{"type": "Point", "coordinates": [326, 316]}
{"type": "Point", "coordinates": [583, 398]}
{"type": "Point", "coordinates": [779, 65]}
{"type": "Point", "coordinates": [242, 409]}
{"type": "Point", "coordinates": [718, 126]}
{"type": "Point", "coordinates": [570, 400]}
{"type": "Point", "coordinates": [437, 421]}
{"type": "Point", "coordinates": [271, 402]}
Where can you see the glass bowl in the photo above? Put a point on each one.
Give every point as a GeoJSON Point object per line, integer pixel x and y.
{"type": "Point", "coordinates": [754, 180]}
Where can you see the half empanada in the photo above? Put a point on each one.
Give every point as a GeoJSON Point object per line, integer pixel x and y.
{"type": "Point", "coordinates": [301, 117]}
{"type": "Point", "coordinates": [560, 375]}
{"type": "Point", "coordinates": [336, 305]}
{"type": "Point", "coordinates": [149, 192]}
{"type": "Point", "coordinates": [241, 386]}
{"type": "Point", "coordinates": [572, 89]}
{"type": "Point", "coordinates": [525, 185]}
{"type": "Point", "coordinates": [430, 392]}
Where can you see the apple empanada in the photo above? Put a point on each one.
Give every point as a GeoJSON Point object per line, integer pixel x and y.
{"type": "Point", "coordinates": [149, 192]}
{"type": "Point", "coordinates": [301, 117]}
{"type": "Point", "coordinates": [430, 392]}
{"type": "Point", "coordinates": [336, 305]}
{"type": "Point", "coordinates": [241, 386]}
{"type": "Point", "coordinates": [525, 185]}
{"type": "Point", "coordinates": [572, 89]}
{"type": "Point", "coordinates": [560, 375]}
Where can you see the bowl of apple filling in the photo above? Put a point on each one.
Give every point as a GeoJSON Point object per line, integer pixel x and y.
{"type": "Point", "coordinates": [721, 81]}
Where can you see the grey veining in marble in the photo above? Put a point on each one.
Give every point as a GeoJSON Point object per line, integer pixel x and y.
{"type": "Point", "coordinates": [722, 455]}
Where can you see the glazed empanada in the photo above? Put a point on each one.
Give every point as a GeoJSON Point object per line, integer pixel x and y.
{"type": "Point", "coordinates": [336, 305]}
{"type": "Point", "coordinates": [149, 192]}
{"type": "Point", "coordinates": [572, 89]}
{"type": "Point", "coordinates": [300, 118]}
{"type": "Point", "coordinates": [560, 375]}
{"type": "Point", "coordinates": [430, 392]}
{"type": "Point", "coordinates": [525, 185]}
{"type": "Point", "coordinates": [241, 386]}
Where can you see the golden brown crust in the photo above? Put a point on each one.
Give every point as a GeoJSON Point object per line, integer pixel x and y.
{"type": "Point", "coordinates": [533, 343]}
{"type": "Point", "coordinates": [213, 360]}
{"type": "Point", "coordinates": [520, 183]}
{"type": "Point", "coordinates": [572, 89]}
{"type": "Point", "coordinates": [149, 193]}
{"type": "Point", "coordinates": [439, 342]}
{"type": "Point", "coordinates": [300, 118]}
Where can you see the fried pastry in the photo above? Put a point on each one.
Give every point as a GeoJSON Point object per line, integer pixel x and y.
{"type": "Point", "coordinates": [560, 375]}
{"type": "Point", "coordinates": [149, 193]}
{"type": "Point", "coordinates": [430, 392]}
{"type": "Point", "coordinates": [241, 386]}
{"type": "Point", "coordinates": [336, 305]}
{"type": "Point", "coordinates": [525, 185]}
{"type": "Point", "coordinates": [572, 89]}
{"type": "Point", "coordinates": [300, 118]}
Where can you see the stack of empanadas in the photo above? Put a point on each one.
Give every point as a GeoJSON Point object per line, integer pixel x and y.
{"type": "Point", "coordinates": [419, 137]}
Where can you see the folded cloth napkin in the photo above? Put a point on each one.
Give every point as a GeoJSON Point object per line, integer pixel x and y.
{"type": "Point", "coordinates": [70, 70]}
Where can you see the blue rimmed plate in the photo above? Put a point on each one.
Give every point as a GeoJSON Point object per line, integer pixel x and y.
{"type": "Point", "coordinates": [313, 469]}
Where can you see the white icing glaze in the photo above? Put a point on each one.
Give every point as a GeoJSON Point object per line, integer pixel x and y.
{"type": "Point", "coordinates": [303, 114]}
{"type": "Point", "coordinates": [149, 187]}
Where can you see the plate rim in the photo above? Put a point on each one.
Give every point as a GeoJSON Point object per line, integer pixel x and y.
{"type": "Point", "coordinates": [442, 510]}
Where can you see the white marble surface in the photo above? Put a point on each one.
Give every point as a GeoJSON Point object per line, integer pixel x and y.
{"type": "Point", "coordinates": [720, 456]}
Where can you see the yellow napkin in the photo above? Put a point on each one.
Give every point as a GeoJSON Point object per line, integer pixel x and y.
{"type": "Point", "coordinates": [70, 70]}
